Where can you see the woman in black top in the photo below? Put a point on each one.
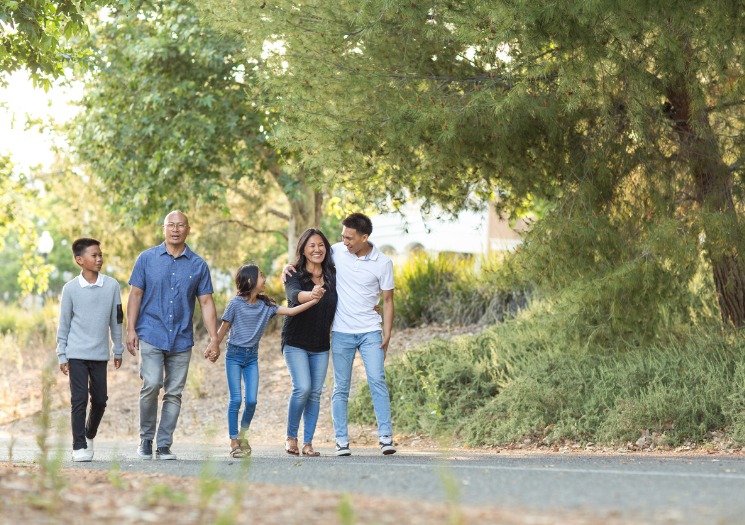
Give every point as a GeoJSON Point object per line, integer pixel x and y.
{"type": "Point", "coordinates": [306, 336]}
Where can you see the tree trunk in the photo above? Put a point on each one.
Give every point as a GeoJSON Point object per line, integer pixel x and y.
{"type": "Point", "coordinates": [713, 183]}
{"type": "Point", "coordinates": [305, 212]}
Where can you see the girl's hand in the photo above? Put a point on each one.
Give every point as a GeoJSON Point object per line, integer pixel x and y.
{"type": "Point", "coordinates": [117, 363]}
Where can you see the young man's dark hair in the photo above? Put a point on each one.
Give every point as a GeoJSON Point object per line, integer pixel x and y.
{"type": "Point", "coordinates": [80, 245]}
{"type": "Point", "coordinates": [359, 222]}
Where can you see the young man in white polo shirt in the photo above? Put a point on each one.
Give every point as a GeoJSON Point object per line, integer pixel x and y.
{"type": "Point", "coordinates": [362, 273]}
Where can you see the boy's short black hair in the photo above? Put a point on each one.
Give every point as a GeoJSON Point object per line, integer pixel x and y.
{"type": "Point", "coordinates": [359, 222]}
{"type": "Point", "coordinates": [80, 245]}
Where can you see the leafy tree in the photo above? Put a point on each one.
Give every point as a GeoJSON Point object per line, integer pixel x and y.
{"type": "Point", "coordinates": [170, 121]}
{"type": "Point", "coordinates": [628, 116]}
{"type": "Point", "coordinates": [38, 36]}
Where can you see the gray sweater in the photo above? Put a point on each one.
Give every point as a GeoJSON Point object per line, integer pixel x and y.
{"type": "Point", "coordinates": [88, 317]}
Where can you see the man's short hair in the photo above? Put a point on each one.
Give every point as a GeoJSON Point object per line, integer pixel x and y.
{"type": "Point", "coordinates": [80, 245]}
{"type": "Point", "coordinates": [359, 222]}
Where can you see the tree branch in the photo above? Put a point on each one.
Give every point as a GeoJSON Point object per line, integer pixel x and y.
{"type": "Point", "coordinates": [247, 226]}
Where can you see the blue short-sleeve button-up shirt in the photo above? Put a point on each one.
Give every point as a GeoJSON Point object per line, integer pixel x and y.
{"type": "Point", "coordinates": [170, 288]}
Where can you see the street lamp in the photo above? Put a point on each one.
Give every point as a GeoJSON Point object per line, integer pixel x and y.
{"type": "Point", "coordinates": [45, 245]}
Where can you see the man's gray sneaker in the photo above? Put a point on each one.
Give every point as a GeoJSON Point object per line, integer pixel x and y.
{"type": "Point", "coordinates": [343, 450]}
{"type": "Point", "coordinates": [145, 449]}
{"type": "Point", "coordinates": [164, 453]}
{"type": "Point", "coordinates": [386, 445]}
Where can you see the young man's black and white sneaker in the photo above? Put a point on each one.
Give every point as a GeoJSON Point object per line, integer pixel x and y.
{"type": "Point", "coordinates": [145, 450]}
{"type": "Point", "coordinates": [343, 449]}
{"type": "Point", "coordinates": [386, 445]}
{"type": "Point", "coordinates": [164, 453]}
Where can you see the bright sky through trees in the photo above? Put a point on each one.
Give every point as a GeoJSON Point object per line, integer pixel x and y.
{"type": "Point", "coordinates": [19, 103]}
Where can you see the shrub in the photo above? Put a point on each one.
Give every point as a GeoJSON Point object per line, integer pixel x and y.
{"type": "Point", "coordinates": [524, 379]}
{"type": "Point", "coordinates": [453, 289]}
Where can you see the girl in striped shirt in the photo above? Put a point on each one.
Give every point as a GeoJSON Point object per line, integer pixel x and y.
{"type": "Point", "coordinates": [245, 319]}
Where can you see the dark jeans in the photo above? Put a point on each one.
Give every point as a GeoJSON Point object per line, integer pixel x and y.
{"type": "Point", "coordinates": [86, 377]}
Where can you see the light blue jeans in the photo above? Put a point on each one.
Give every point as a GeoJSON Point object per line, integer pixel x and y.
{"type": "Point", "coordinates": [308, 372]}
{"type": "Point", "coordinates": [343, 350]}
{"type": "Point", "coordinates": [160, 369]}
{"type": "Point", "coordinates": [241, 363]}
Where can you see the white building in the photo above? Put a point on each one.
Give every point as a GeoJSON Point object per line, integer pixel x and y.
{"type": "Point", "coordinates": [471, 232]}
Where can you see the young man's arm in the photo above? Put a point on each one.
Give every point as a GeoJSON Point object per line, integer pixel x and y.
{"type": "Point", "coordinates": [115, 325]}
{"type": "Point", "coordinates": [387, 320]}
{"type": "Point", "coordinates": [133, 311]}
{"type": "Point", "coordinates": [63, 330]}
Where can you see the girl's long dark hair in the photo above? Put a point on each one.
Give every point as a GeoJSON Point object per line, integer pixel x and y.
{"type": "Point", "coordinates": [245, 281]}
{"type": "Point", "coordinates": [327, 266]}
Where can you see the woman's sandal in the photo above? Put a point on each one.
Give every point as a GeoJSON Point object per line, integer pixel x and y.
{"type": "Point", "coordinates": [291, 446]}
{"type": "Point", "coordinates": [308, 450]}
{"type": "Point", "coordinates": [243, 443]}
{"type": "Point", "coordinates": [238, 452]}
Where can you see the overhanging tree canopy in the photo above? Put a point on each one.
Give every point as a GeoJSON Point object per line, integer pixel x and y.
{"type": "Point", "coordinates": [628, 113]}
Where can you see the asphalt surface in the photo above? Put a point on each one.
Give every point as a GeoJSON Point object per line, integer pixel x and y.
{"type": "Point", "coordinates": [689, 489]}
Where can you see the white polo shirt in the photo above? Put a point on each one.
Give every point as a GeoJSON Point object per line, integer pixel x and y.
{"type": "Point", "coordinates": [359, 282]}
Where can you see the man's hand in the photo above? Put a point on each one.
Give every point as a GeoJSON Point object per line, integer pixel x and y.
{"type": "Point", "coordinates": [286, 271]}
{"type": "Point", "coordinates": [212, 352]}
{"type": "Point", "coordinates": [133, 342]}
{"type": "Point", "coordinates": [117, 363]}
{"type": "Point", "coordinates": [317, 292]}
{"type": "Point", "coordinates": [65, 368]}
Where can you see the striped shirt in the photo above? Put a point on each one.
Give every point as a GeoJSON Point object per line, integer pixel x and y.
{"type": "Point", "coordinates": [247, 321]}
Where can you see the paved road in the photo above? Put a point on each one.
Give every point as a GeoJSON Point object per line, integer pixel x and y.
{"type": "Point", "coordinates": [691, 490]}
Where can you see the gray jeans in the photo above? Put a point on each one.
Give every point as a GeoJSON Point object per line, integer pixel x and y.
{"type": "Point", "coordinates": [160, 369]}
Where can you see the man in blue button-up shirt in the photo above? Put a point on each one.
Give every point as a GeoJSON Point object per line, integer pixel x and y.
{"type": "Point", "coordinates": [165, 282]}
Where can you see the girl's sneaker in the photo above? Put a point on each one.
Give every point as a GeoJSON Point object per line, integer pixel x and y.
{"type": "Point", "coordinates": [82, 454]}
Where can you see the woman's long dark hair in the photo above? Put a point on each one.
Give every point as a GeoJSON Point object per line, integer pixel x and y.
{"type": "Point", "coordinates": [245, 281]}
{"type": "Point", "coordinates": [327, 266]}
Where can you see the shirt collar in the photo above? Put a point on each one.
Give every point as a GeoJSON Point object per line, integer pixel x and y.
{"type": "Point", "coordinates": [85, 284]}
{"type": "Point", "coordinates": [163, 251]}
{"type": "Point", "coordinates": [372, 256]}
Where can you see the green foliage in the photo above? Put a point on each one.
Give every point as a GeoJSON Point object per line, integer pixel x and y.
{"type": "Point", "coordinates": [446, 288]}
{"type": "Point", "coordinates": [35, 327]}
{"type": "Point", "coordinates": [40, 35]}
{"type": "Point", "coordinates": [166, 119]}
{"type": "Point", "coordinates": [614, 113]}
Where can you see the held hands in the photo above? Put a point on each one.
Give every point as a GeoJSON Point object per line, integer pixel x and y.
{"type": "Point", "coordinates": [212, 352]}
{"type": "Point", "coordinates": [317, 292]}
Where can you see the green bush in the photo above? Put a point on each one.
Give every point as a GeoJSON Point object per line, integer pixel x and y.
{"type": "Point", "coordinates": [453, 289]}
{"type": "Point", "coordinates": [31, 326]}
{"type": "Point", "coordinates": [523, 379]}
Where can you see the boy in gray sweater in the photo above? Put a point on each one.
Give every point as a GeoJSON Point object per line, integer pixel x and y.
{"type": "Point", "coordinates": [90, 318]}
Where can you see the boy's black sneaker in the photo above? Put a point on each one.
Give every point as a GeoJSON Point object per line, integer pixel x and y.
{"type": "Point", "coordinates": [164, 453]}
{"type": "Point", "coordinates": [343, 450]}
{"type": "Point", "coordinates": [386, 445]}
{"type": "Point", "coordinates": [145, 449]}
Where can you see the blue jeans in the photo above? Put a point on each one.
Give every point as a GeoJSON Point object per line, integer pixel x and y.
{"type": "Point", "coordinates": [343, 350]}
{"type": "Point", "coordinates": [241, 362]}
{"type": "Point", "coordinates": [308, 372]}
{"type": "Point", "coordinates": [160, 369]}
